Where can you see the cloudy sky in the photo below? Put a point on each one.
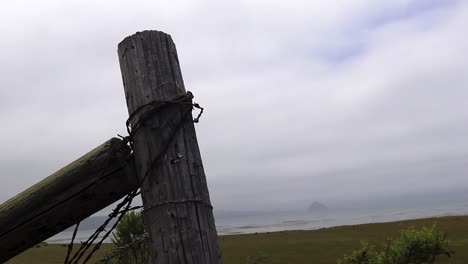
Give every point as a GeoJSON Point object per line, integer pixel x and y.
{"type": "Point", "coordinates": [305, 100]}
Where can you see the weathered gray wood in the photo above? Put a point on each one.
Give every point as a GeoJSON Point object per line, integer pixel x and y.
{"type": "Point", "coordinates": [177, 211]}
{"type": "Point", "coordinates": [68, 196]}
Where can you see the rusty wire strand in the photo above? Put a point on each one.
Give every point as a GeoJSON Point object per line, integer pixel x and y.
{"type": "Point", "coordinates": [70, 246]}
{"type": "Point", "coordinates": [120, 251]}
{"type": "Point", "coordinates": [122, 213]}
{"type": "Point", "coordinates": [145, 112]}
{"type": "Point", "coordinates": [87, 244]}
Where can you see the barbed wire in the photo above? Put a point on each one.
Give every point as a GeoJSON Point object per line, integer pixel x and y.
{"type": "Point", "coordinates": [121, 251]}
{"type": "Point", "coordinates": [70, 246]}
{"type": "Point", "coordinates": [126, 202]}
{"type": "Point", "coordinates": [141, 114]}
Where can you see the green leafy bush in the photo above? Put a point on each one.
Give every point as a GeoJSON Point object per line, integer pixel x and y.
{"type": "Point", "coordinates": [365, 255]}
{"type": "Point", "coordinates": [129, 239]}
{"type": "Point", "coordinates": [413, 246]}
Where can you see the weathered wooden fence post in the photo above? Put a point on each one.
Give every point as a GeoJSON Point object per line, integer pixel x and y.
{"type": "Point", "coordinates": [178, 212]}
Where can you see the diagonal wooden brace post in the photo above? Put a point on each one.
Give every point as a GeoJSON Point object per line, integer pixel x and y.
{"type": "Point", "coordinates": [178, 212]}
{"type": "Point", "coordinates": [66, 197]}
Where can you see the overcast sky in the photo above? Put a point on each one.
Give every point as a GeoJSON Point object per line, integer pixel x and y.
{"type": "Point", "coordinates": [305, 100]}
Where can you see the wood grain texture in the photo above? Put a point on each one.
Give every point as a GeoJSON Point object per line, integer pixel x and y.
{"type": "Point", "coordinates": [66, 197]}
{"type": "Point", "coordinates": [177, 211]}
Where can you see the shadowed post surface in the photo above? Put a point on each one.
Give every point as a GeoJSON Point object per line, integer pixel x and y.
{"type": "Point", "coordinates": [178, 212]}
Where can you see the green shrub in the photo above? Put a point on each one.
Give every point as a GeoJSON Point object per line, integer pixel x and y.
{"type": "Point", "coordinates": [413, 246]}
{"type": "Point", "coordinates": [130, 241]}
{"type": "Point", "coordinates": [365, 255]}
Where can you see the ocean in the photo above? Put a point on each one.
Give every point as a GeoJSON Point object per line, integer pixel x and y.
{"type": "Point", "coordinates": [261, 222]}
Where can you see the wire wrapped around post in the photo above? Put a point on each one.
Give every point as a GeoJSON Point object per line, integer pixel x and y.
{"type": "Point", "coordinates": [133, 123]}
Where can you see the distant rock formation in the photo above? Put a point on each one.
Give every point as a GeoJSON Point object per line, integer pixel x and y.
{"type": "Point", "coordinates": [317, 207]}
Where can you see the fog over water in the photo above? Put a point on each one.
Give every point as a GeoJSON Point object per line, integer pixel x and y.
{"type": "Point", "coordinates": [243, 222]}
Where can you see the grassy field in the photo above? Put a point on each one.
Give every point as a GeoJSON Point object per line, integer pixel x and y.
{"type": "Point", "coordinates": [298, 247]}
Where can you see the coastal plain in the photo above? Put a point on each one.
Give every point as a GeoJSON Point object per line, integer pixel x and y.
{"type": "Point", "coordinates": [322, 246]}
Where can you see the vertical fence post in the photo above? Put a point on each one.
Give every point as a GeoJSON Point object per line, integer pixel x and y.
{"type": "Point", "coordinates": [178, 212]}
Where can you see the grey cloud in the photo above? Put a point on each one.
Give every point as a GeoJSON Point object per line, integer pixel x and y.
{"type": "Point", "coordinates": [280, 118]}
